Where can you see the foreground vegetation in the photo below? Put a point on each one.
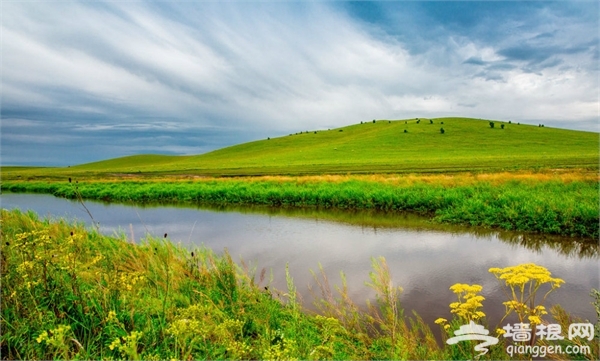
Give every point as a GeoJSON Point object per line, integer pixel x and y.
{"type": "Point", "coordinates": [547, 202]}
{"type": "Point", "coordinates": [383, 146]}
{"type": "Point", "coordinates": [71, 293]}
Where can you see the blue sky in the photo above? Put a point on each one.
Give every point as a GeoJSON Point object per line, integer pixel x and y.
{"type": "Point", "coordinates": [84, 81]}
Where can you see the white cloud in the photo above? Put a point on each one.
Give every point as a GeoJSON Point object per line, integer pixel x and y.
{"type": "Point", "coordinates": [282, 67]}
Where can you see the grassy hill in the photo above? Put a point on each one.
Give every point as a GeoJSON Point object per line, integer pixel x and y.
{"type": "Point", "coordinates": [383, 146]}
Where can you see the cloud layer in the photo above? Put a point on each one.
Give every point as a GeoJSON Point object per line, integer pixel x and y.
{"type": "Point", "coordinates": [91, 80]}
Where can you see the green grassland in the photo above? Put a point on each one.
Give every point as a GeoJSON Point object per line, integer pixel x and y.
{"type": "Point", "coordinates": [380, 147]}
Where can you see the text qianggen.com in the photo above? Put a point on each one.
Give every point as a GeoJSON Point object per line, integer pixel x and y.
{"type": "Point", "coordinates": [542, 351]}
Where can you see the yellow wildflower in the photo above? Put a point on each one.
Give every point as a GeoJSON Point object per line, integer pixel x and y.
{"type": "Point", "coordinates": [440, 320]}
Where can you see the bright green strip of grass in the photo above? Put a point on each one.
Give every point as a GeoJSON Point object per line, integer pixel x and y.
{"type": "Point", "coordinates": [552, 207]}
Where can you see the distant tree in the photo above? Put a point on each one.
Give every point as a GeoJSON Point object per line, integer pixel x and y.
{"type": "Point", "coordinates": [361, 122]}
{"type": "Point", "coordinates": [442, 130]}
{"type": "Point", "coordinates": [373, 120]}
{"type": "Point", "coordinates": [509, 122]}
{"type": "Point", "coordinates": [405, 131]}
{"type": "Point", "coordinates": [442, 123]}
{"type": "Point", "coordinates": [315, 132]}
{"type": "Point", "coordinates": [502, 126]}
{"type": "Point", "coordinates": [269, 138]}
{"type": "Point", "coordinates": [405, 122]}
{"type": "Point", "coordinates": [389, 121]}
{"type": "Point", "coordinates": [341, 130]}
{"type": "Point", "coordinates": [418, 121]}
{"type": "Point", "coordinates": [491, 124]}
{"type": "Point", "coordinates": [430, 121]}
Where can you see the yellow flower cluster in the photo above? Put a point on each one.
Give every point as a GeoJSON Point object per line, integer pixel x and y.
{"type": "Point", "coordinates": [185, 328]}
{"type": "Point", "coordinates": [128, 281]}
{"type": "Point", "coordinates": [128, 345]}
{"type": "Point", "coordinates": [524, 281]}
{"type": "Point", "coordinates": [55, 337]}
{"type": "Point", "coordinates": [524, 273]}
{"type": "Point", "coordinates": [112, 317]}
{"type": "Point", "coordinates": [442, 321]}
{"type": "Point", "coordinates": [207, 324]}
{"type": "Point", "coordinates": [26, 240]}
{"type": "Point", "coordinates": [281, 350]}
{"type": "Point", "coordinates": [469, 302]}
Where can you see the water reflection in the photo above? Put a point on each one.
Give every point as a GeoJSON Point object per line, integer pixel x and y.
{"type": "Point", "coordinates": [568, 246]}
{"type": "Point", "coordinates": [424, 258]}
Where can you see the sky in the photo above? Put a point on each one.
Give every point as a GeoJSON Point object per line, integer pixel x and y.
{"type": "Point", "coordinates": [91, 80]}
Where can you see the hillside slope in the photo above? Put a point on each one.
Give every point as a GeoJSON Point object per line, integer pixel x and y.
{"type": "Point", "coordinates": [383, 146]}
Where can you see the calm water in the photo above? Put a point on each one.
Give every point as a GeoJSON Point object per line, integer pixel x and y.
{"type": "Point", "coordinates": [424, 259]}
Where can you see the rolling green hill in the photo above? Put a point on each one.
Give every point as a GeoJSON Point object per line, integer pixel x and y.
{"type": "Point", "coordinates": [383, 146]}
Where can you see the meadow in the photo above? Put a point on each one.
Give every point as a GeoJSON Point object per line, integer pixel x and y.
{"type": "Point", "coordinates": [383, 146]}
{"type": "Point", "coordinates": [72, 293]}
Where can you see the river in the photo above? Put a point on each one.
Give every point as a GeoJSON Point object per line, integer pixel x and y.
{"type": "Point", "coordinates": [425, 259]}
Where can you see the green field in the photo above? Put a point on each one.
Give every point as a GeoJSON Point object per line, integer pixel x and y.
{"type": "Point", "coordinates": [380, 147]}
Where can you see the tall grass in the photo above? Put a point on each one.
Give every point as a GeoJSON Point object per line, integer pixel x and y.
{"type": "Point", "coordinates": [554, 206]}
{"type": "Point", "coordinates": [71, 293]}
{"type": "Point", "coordinates": [68, 293]}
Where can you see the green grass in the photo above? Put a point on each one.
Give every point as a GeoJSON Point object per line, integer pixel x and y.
{"type": "Point", "coordinates": [553, 206]}
{"type": "Point", "coordinates": [71, 293]}
{"type": "Point", "coordinates": [467, 144]}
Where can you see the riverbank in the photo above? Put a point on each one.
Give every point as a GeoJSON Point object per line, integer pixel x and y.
{"type": "Point", "coordinates": [69, 293]}
{"type": "Point", "coordinates": [72, 293]}
{"type": "Point", "coordinates": [563, 203]}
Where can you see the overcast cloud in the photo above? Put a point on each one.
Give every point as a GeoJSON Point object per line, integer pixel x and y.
{"type": "Point", "coordinates": [84, 81]}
